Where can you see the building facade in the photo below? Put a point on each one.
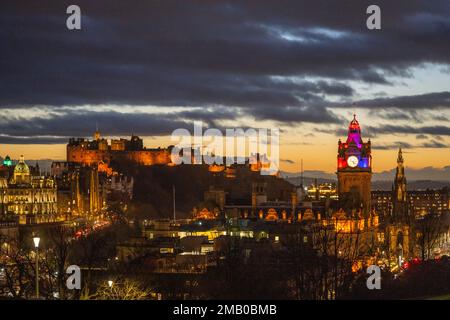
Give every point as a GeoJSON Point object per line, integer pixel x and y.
{"type": "Point", "coordinates": [32, 198]}
{"type": "Point", "coordinates": [99, 151]}
{"type": "Point", "coordinates": [81, 188]}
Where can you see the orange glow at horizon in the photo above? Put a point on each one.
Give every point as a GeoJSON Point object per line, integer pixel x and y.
{"type": "Point", "coordinates": [319, 154]}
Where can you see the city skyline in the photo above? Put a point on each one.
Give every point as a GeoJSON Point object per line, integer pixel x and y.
{"type": "Point", "coordinates": [224, 158]}
{"type": "Point", "coordinates": [288, 166]}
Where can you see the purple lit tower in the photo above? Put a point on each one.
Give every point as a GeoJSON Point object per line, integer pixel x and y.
{"type": "Point", "coordinates": [354, 166]}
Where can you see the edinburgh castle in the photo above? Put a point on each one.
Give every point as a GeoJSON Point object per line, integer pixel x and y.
{"type": "Point", "coordinates": [98, 151]}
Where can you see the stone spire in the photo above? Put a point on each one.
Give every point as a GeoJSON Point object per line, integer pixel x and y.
{"type": "Point", "coordinates": [400, 204]}
{"type": "Point", "coordinates": [97, 133]}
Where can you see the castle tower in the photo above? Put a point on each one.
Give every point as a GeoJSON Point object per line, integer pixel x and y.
{"type": "Point", "coordinates": [354, 171]}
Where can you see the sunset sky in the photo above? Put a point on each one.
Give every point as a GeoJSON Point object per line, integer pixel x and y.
{"type": "Point", "coordinates": [150, 67]}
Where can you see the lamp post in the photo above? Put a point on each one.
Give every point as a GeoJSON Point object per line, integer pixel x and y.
{"type": "Point", "coordinates": [110, 284]}
{"type": "Point", "coordinates": [36, 245]}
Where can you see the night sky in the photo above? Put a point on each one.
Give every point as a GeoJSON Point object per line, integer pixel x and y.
{"type": "Point", "coordinates": [149, 67]}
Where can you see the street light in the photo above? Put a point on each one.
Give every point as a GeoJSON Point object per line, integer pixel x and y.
{"type": "Point", "coordinates": [110, 283]}
{"type": "Point", "coordinates": [36, 241]}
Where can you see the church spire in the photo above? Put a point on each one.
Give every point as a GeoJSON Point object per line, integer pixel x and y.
{"type": "Point", "coordinates": [400, 156]}
{"type": "Point", "coordinates": [400, 210]}
{"type": "Point", "coordinates": [97, 133]}
{"type": "Point", "coordinates": [400, 174]}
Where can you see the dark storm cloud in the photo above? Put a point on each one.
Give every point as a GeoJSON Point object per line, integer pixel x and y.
{"type": "Point", "coordinates": [406, 145]}
{"type": "Point", "coordinates": [421, 132]}
{"type": "Point", "coordinates": [399, 129]}
{"type": "Point", "coordinates": [32, 140]}
{"type": "Point", "coordinates": [424, 101]}
{"type": "Point", "coordinates": [434, 144]}
{"type": "Point", "coordinates": [394, 114]}
{"type": "Point", "coordinates": [233, 56]}
{"type": "Point", "coordinates": [315, 114]}
{"type": "Point", "coordinates": [210, 116]}
{"type": "Point", "coordinates": [48, 129]}
{"type": "Point", "coordinates": [395, 145]}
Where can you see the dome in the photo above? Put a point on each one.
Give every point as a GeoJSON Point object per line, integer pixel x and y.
{"type": "Point", "coordinates": [21, 167]}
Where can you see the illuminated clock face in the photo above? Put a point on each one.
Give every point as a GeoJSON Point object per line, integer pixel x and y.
{"type": "Point", "coordinates": [352, 161]}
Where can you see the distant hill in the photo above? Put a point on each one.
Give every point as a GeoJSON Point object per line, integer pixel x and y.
{"type": "Point", "coordinates": [376, 184]}
{"type": "Point", "coordinates": [412, 174]}
{"type": "Point", "coordinates": [411, 185]}
{"type": "Point", "coordinates": [308, 180]}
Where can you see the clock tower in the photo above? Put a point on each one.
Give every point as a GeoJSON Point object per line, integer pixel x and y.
{"type": "Point", "coordinates": [354, 170]}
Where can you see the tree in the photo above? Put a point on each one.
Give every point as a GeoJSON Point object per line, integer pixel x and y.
{"type": "Point", "coordinates": [118, 290]}
{"type": "Point", "coordinates": [17, 270]}
{"type": "Point", "coordinates": [429, 228]}
{"type": "Point", "coordinates": [246, 271]}
{"type": "Point", "coordinates": [60, 239]}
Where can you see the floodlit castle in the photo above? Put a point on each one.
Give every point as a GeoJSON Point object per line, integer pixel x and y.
{"type": "Point", "coordinates": [99, 151]}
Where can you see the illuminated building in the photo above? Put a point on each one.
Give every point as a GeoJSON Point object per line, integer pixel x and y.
{"type": "Point", "coordinates": [322, 191]}
{"type": "Point", "coordinates": [81, 189]}
{"type": "Point", "coordinates": [422, 202]}
{"type": "Point", "coordinates": [354, 168]}
{"type": "Point", "coordinates": [382, 202]}
{"type": "Point", "coordinates": [98, 151]}
{"type": "Point", "coordinates": [183, 228]}
{"type": "Point", "coordinates": [33, 198]}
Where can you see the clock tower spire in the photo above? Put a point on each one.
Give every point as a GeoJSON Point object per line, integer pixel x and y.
{"type": "Point", "coordinates": [354, 171]}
